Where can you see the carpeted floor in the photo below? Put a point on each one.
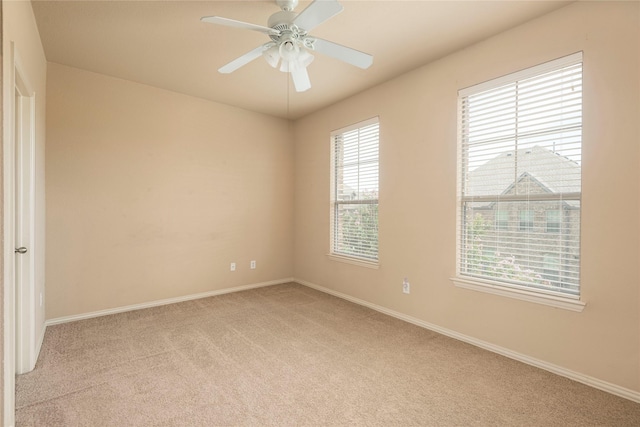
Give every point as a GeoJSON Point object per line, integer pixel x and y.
{"type": "Point", "coordinates": [288, 355]}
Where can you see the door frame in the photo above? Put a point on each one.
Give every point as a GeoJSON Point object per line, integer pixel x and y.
{"type": "Point", "coordinates": [19, 304]}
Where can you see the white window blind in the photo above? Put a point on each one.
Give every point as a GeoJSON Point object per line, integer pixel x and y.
{"type": "Point", "coordinates": [354, 210]}
{"type": "Point", "coordinates": [520, 164]}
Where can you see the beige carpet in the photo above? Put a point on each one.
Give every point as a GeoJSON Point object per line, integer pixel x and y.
{"type": "Point", "coordinates": [288, 355]}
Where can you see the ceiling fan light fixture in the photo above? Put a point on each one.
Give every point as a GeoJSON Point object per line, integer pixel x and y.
{"type": "Point", "coordinates": [300, 62]}
{"type": "Point", "coordinates": [287, 66]}
{"type": "Point", "coordinates": [272, 55]}
{"type": "Point", "coordinates": [289, 49]}
{"type": "Point", "coordinates": [305, 58]}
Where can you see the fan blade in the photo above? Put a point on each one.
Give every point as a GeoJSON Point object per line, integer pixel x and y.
{"type": "Point", "coordinates": [243, 60]}
{"type": "Point", "coordinates": [316, 13]}
{"type": "Point", "coordinates": [239, 24]}
{"type": "Point", "coordinates": [343, 53]}
{"type": "Point", "coordinates": [301, 79]}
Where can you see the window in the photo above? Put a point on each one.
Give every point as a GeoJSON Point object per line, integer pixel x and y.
{"type": "Point", "coordinates": [551, 267]}
{"type": "Point", "coordinates": [526, 220]}
{"type": "Point", "coordinates": [553, 221]}
{"type": "Point", "coordinates": [354, 191]}
{"type": "Point", "coordinates": [502, 220]}
{"type": "Point", "coordinates": [520, 147]}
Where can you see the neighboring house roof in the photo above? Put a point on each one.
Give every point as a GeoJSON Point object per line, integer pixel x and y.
{"type": "Point", "coordinates": [554, 172]}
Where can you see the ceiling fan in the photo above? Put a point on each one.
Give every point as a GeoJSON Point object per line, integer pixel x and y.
{"type": "Point", "coordinates": [291, 44]}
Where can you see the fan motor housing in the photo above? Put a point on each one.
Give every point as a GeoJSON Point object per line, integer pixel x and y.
{"type": "Point", "coordinates": [282, 18]}
{"type": "Point", "coordinates": [283, 22]}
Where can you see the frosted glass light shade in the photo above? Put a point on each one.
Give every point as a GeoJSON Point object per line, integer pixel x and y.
{"type": "Point", "coordinates": [272, 56]}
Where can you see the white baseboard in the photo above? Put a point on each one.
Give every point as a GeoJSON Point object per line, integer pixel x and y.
{"type": "Point", "coordinates": [559, 370]}
{"type": "Point", "coordinates": [158, 303]}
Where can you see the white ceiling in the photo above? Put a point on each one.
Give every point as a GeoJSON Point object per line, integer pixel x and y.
{"type": "Point", "coordinates": [164, 44]}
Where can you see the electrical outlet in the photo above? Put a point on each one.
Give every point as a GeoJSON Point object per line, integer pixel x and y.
{"type": "Point", "coordinates": [41, 299]}
{"type": "Point", "coordinates": [253, 265]}
{"type": "Point", "coordinates": [406, 286]}
{"type": "Point", "coordinates": [233, 266]}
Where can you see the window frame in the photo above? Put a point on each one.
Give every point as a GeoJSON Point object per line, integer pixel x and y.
{"type": "Point", "coordinates": [497, 286]}
{"type": "Point", "coordinates": [335, 204]}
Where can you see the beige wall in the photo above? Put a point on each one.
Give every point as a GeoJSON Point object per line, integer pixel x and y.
{"type": "Point", "coordinates": [418, 195]}
{"type": "Point", "coordinates": [152, 194]}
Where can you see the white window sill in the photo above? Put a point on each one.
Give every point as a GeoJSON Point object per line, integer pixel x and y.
{"type": "Point", "coordinates": [354, 261]}
{"type": "Point", "coordinates": [557, 301]}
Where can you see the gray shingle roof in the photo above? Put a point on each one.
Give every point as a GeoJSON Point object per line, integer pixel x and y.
{"type": "Point", "coordinates": [497, 175]}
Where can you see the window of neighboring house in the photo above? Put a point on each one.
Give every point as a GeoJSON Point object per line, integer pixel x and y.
{"type": "Point", "coordinates": [553, 221]}
{"type": "Point", "coordinates": [502, 220]}
{"type": "Point", "coordinates": [520, 149]}
{"type": "Point", "coordinates": [354, 191]}
{"type": "Point", "coordinates": [526, 220]}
